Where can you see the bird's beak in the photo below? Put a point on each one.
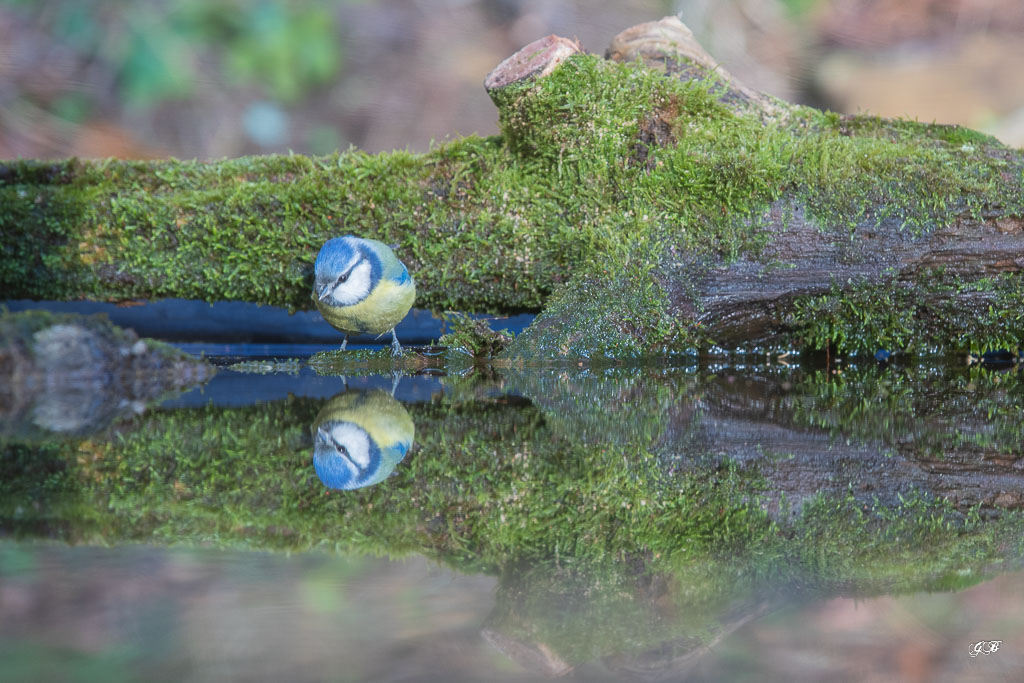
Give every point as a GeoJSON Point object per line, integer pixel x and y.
{"type": "Point", "coordinates": [321, 292]}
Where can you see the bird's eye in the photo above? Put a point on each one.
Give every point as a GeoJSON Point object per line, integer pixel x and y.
{"type": "Point", "coordinates": [343, 278]}
{"type": "Point", "coordinates": [337, 446]}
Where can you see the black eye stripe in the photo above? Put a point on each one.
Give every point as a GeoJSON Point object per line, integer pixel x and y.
{"type": "Point", "coordinates": [341, 449]}
{"type": "Point", "coordinates": [344, 276]}
{"type": "Point", "coordinates": [328, 437]}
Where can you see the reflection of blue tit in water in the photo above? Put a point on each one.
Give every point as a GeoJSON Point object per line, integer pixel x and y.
{"type": "Point", "coordinates": [359, 437]}
{"type": "Point", "coordinates": [361, 286]}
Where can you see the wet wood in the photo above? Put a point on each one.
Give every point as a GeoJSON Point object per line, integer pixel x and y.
{"type": "Point", "coordinates": [669, 46]}
{"type": "Point", "coordinates": [535, 60]}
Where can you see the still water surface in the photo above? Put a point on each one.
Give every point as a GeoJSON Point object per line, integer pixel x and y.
{"type": "Point", "coordinates": [691, 523]}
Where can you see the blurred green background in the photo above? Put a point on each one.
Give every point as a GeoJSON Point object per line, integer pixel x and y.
{"type": "Point", "coordinates": [223, 78]}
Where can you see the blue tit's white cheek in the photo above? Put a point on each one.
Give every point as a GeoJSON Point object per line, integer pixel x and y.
{"type": "Point", "coordinates": [355, 441]}
{"type": "Point", "coordinates": [355, 288]}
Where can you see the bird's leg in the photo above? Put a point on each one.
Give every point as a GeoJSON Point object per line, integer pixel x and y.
{"type": "Point", "coordinates": [396, 348]}
{"type": "Point", "coordinates": [396, 377]}
{"type": "Point", "coordinates": [344, 343]}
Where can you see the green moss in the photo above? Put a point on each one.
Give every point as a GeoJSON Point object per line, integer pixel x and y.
{"type": "Point", "coordinates": [616, 314]}
{"type": "Point", "coordinates": [473, 337]}
{"type": "Point", "coordinates": [373, 361]}
{"type": "Point", "coordinates": [957, 413]}
{"type": "Point", "coordinates": [704, 191]}
{"type": "Point", "coordinates": [862, 125]}
{"type": "Point", "coordinates": [250, 229]}
{"type": "Point", "coordinates": [39, 214]}
{"type": "Point", "coordinates": [938, 312]}
{"type": "Point", "coordinates": [894, 174]}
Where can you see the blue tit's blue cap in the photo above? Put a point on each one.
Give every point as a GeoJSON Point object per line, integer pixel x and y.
{"type": "Point", "coordinates": [345, 457]}
{"type": "Point", "coordinates": [341, 253]}
{"type": "Point", "coordinates": [335, 254]}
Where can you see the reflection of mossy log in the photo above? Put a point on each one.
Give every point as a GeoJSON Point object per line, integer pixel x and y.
{"type": "Point", "coordinates": [664, 207]}
{"type": "Point", "coordinates": [71, 375]}
{"type": "Point", "coordinates": [644, 554]}
{"type": "Point", "coordinates": [876, 433]}
{"type": "Point", "coordinates": [490, 480]}
{"type": "Point", "coordinates": [644, 626]}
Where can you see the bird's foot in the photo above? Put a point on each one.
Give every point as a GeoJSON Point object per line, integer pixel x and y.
{"type": "Point", "coordinates": [396, 348]}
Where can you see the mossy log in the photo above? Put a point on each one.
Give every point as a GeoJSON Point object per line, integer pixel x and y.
{"type": "Point", "coordinates": [646, 202]}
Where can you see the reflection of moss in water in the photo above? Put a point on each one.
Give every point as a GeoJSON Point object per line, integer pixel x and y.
{"type": "Point", "coordinates": [921, 411]}
{"type": "Point", "coordinates": [602, 608]}
{"type": "Point", "coordinates": [914, 546]}
{"type": "Point", "coordinates": [41, 493]}
{"type": "Point", "coordinates": [492, 485]}
{"type": "Point", "coordinates": [486, 481]}
{"type": "Point", "coordinates": [621, 606]}
{"type": "Point", "coordinates": [642, 408]}
{"type": "Point", "coordinates": [924, 412]}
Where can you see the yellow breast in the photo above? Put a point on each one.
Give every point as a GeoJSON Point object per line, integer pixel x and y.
{"type": "Point", "coordinates": [384, 308]}
{"type": "Point", "coordinates": [384, 419]}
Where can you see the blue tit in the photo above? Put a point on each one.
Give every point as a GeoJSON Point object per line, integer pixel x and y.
{"type": "Point", "coordinates": [361, 286]}
{"type": "Point", "coordinates": [359, 437]}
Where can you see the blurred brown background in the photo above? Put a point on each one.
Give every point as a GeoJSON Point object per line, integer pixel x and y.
{"type": "Point", "coordinates": [134, 613]}
{"type": "Point", "coordinates": [209, 79]}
